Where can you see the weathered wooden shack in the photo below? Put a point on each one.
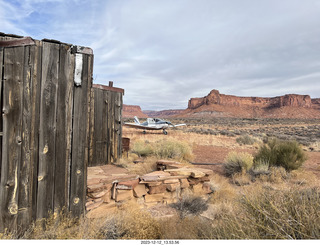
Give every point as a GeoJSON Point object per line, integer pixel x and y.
{"type": "Point", "coordinates": [105, 124]}
{"type": "Point", "coordinates": [46, 98]}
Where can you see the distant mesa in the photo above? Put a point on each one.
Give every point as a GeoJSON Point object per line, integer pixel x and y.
{"type": "Point", "coordinates": [221, 105]}
{"type": "Point", "coordinates": [164, 113]}
{"type": "Point", "coordinates": [129, 111]}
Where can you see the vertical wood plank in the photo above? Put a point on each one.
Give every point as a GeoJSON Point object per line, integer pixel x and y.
{"type": "Point", "coordinates": [12, 137]}
{"type": "Point", "coordinates": [48, 107]}
{"type": "Point", "coordinates": [80, 142]}
{"type": "Point", "coordinates": [35, 122]}
{"type": "Point", "coordinates": [104, 126]}
{"type": "Point", "coordinates": [1, 128]}
{"type": "Point", "coordinates": [28, 138]}
{"type": "Point", "coordinates": [109, 118]}
{"type": "Point", "coordinates": [91, 128]}
{"type": "Point", "coordinates": [64, 128]}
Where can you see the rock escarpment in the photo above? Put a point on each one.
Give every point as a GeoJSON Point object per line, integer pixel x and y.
{"type": "Point", "coordinates": [129, 111]}
{"type": "Point", "coordinates": [221, 105]}
{"type": "Point", "coordinates": [214, 97]}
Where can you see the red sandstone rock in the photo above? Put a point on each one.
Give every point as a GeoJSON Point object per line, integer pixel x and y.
{"type": "Point", "coordinates": [129, 111]}
{"type": "Point", "coordinates": [221, 105]}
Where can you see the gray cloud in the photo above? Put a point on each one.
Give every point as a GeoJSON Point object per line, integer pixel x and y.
{"type": "Point", "coordinates": [164, 52]}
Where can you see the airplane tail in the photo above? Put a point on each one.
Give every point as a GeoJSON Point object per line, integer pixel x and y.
{"type": "Point", "coordinates": [136, 120]}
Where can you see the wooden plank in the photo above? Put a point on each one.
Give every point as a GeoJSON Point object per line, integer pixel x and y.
{"type": "Point", "coordinates": [113, 131]}
{"type": "Point", "coordinates": [117, 119]}
{"type": "Point", "coordinates": [98, 135]}
{"type": "Point", "coordinates": [26, 170]}
{"type": "Point", "coordinates": [35, 122]}
{"type": "Point", "coordinates": [91, 128]}
{"type": "Point", "coordinates": [109, 135]}
{"type": "Point", "coordinates": [47, 146]}
{"type": "Point", "coordinates": [80, 140]}
{"type": "Point", "coordinates": [1, 128]}
{"type": "Point", "coordinates": [104, 104]}
{"type": "Point", "coordinates": [12, 137]}
{"type": "Point", "coordinates": [64, 128]}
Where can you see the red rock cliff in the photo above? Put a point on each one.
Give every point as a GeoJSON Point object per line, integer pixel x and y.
{"type": "Point", "coordinates": [214, 97]}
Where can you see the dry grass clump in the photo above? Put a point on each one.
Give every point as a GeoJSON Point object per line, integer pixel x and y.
{"type": "Point", "coordinates": [238, 162]}
{"type": "Point", "coordinates": [63, 226]}
{"type": "Point", "coordinates": [174, 149]}
{"type": "Point", "coordinates": [148, 165]}
{"type": "Point", "coordinates": [131, 223]}
{"type": "Point", "coordinates": [190, 205]}
{"type": "Point", "coordinates": [142, 148]}
{"type": "Point", "coordinates": [246, 140]}
{"type": "Point", "coordinates": [165, 149]}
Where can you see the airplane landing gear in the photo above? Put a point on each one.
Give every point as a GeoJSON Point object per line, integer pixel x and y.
{"type": "Point", "coordinates": [165, 132]}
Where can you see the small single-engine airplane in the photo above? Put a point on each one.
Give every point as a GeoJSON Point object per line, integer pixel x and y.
{"type": "Point", "coordinates": [152, 124]}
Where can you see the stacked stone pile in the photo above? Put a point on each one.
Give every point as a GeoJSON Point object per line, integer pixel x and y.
{"type": "Point", "coordinates": [166, 186]}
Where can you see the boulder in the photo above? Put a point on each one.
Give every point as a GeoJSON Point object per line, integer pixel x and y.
{"type": "Point", "coordinates": [139, 190]}
{"type": "Point", "coordinates": [184, 183]}
{"type": "Point", "coordinates": [157, 189]}
{"type": "Point", "coordinates": [122, 195]}
{"type": "Point", "coordinates": [173, 187]}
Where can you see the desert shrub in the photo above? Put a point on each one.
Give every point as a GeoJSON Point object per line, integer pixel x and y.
{"type": "Point", "coordinates": [142, 148]}
{"type": "Point", "coordinates": [169, 149]}
{"type": "Point", "coordinates": [63, 225]}
{"type": "Point", "coordinates": [286, 154]}
{"type": "Point", "coordinates": [290, 214]}
{"type": "Point", "coordinates": [131, 223]}
{"type": "Point", "coordinates": [173, 149]}
{"type": "Point", "coordinates": [237, 162]}
{"type": "Point", "coordinates": [246, 140]}
{"type": "Point", "coordinates": [190, 205]}
{"type": "Point", "coordinates": [191, 228]}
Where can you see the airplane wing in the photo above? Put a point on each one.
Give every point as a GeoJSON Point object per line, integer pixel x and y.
{"type": "Point", "coordinates": [133, 125]}
{"type": "Point", "coordinates": [178, 125]}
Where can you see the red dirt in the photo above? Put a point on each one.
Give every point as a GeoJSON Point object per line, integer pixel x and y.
{"type": "Point", "coordinates": [214, 154]}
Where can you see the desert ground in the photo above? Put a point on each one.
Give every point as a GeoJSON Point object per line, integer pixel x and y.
{"type": "Point", "coordinates": [212, 139]}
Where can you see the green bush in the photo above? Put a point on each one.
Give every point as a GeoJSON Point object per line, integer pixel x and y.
{"type": "Point", "coordinates": [237, 162]}
{"type": "Point", "coordinates": [286, 154]}
{"type": "Point", "coordinates": [245, 140]}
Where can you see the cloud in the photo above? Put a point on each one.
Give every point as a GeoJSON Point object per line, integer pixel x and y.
{"type": "Point", "coordinates": [164, 52]}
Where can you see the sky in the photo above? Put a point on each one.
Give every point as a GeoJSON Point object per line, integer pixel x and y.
{"type": "Point", "coordinates": [164, 52]}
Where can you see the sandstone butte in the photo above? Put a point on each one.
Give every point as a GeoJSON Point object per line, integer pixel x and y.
{"type": "Point", "coordinates": [221, 105]}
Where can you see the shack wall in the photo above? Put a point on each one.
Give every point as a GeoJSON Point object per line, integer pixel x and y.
{"type": "Point", "coordinates": [44, 128]}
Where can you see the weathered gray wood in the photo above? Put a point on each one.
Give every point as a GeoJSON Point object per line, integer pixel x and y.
{"type": "Point", "coordinates": [117, 118]}
{"type": "Point", "coordinates": [35, 122]}
{"type": "Point", "coordinates": [48, 108]}
{"type": "Point", "coordinates": [12, 137]}
{"type": "Point", "coordinates": [64, 128]}
{"type": "Point", "coordinates": [91, 129]}
{"type": "Point", "coordinates": [80, 141]}
{"type": "Point", "coordinates": [1, 128]}
{"type": "Point", "coordinates": [26, 170]}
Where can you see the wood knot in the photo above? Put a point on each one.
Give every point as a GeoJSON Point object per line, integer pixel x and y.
{"type": "Point", "coordinates": [13, 209]}
{"type": "Point", "coordinates": [78, 171]}
{"type": "Point", "coordinates": [76, 200]}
